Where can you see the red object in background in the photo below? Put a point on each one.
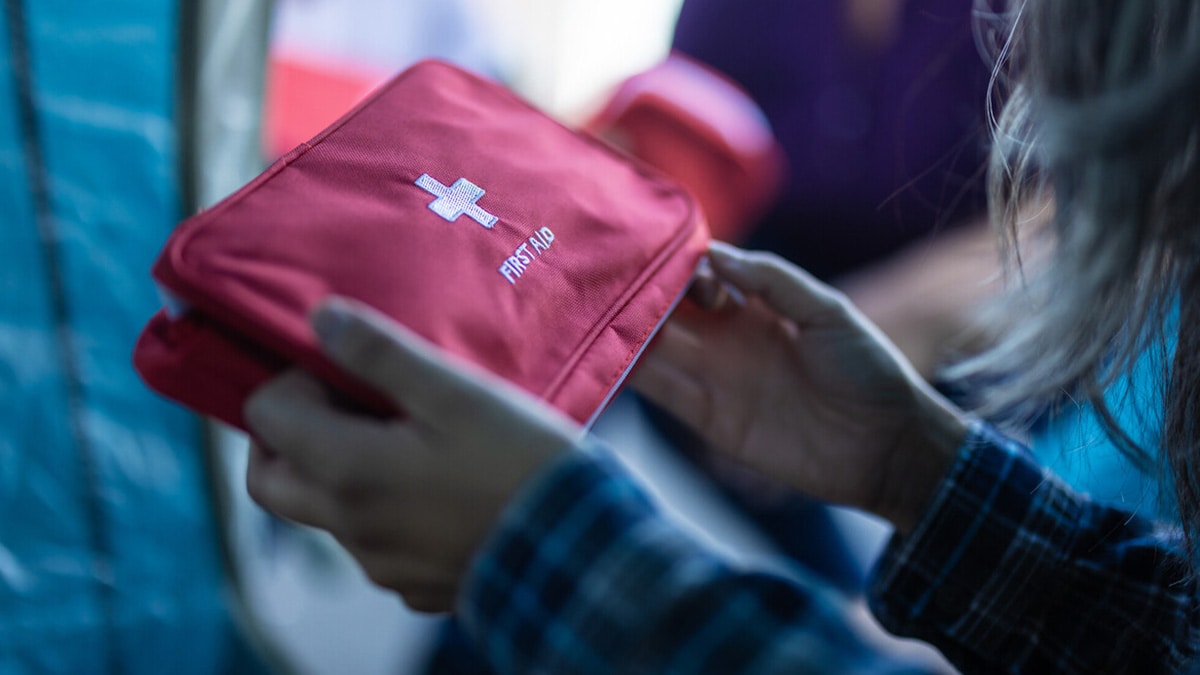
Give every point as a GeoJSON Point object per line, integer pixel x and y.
{"type": "Point", "coordinates": [453, 207]}
{"type": "Point", "coordinates": [700, 128]}
{"type": "Point", "coordinates": [305, 94]}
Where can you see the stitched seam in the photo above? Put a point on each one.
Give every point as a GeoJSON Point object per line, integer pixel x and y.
{"type": "Point", "coordinates": [631, 294]}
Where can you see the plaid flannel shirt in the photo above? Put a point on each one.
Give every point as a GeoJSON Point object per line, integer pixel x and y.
{"type": "Point", "coordinates": [1008, 571]}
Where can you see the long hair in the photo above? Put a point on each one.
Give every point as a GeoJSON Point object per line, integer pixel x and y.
{"type": "Point", "coordinates": [1100, 125]}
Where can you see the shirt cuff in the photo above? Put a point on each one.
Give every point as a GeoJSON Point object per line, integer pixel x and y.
{"type": "Point", "coordinates": [514, 593]}
{"type": "Point", "coordinates": [583, 575]}
{"type": "Point", "coordinates": [992, 528]}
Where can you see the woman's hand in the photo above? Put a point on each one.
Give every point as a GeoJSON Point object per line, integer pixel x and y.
{"type": "Point", "coordinates": [797, 384]}
{"type": "Point", "coordinates": [411, 499]}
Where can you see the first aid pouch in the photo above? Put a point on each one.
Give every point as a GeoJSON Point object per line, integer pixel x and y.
{"type": "Point", "coordinates": [457, 209]}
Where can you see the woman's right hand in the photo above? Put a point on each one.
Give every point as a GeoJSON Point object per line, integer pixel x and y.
{"type": "Point", "coordinates": [797, 384]}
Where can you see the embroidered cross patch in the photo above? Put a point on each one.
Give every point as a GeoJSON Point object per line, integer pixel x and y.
{"type": "Point", "coordinates": [457, 200]}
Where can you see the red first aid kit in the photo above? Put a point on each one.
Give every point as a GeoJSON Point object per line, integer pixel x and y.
{"type": "Point", "coordinates": [452, 206]}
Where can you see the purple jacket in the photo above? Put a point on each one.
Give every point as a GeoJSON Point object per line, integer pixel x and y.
{"type": "Point", "coordinates": [884, 146]}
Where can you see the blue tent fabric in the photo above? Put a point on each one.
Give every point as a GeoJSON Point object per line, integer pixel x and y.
{"type": "Point", "coordinates": [109, 546]}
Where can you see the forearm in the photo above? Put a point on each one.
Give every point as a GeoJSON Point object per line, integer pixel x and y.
{"type": "Point", "coordinates": [582, 575]}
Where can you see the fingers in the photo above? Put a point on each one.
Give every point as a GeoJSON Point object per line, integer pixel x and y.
{"type": "Point", "coordinates": [396, 361]}
{"type": "Point", "coordinates": [710, 291]}
{"type": "Point", "coordinates": [787, 289]}
{"type": "Point", "coordinates": [668, 374]}
{"type": "Point", "coordinates": [289, 411]}
{"type": "Point", "coordinates": [292, 415]}
{"type": "Point", "coordinates": [436, 584]}
{"type": "Point", "coordinates": [673, 389]}
{"type": "Point", "coordinates": [273, 484]}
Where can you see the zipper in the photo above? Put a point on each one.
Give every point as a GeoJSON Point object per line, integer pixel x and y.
{"type": "Point", "coordinates": [662, 320]}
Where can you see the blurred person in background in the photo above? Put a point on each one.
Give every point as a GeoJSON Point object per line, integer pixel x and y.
{"type": "Point", "coordinates": [880, 108]}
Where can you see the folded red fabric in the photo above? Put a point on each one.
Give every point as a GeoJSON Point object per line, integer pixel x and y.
{"type": "Point", "coordinates": [452, 206]}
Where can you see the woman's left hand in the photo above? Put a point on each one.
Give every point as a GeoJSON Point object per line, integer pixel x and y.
{"type": "Point", "coordinates": [411, 499]}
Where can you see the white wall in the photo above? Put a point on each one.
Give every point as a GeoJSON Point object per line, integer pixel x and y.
{"type": "Point", "coordinates": [564, 54]}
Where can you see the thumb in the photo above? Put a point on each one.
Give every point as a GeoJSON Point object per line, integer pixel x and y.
{"type": "Point", "coordinates": [787, 289]}
{"type": "Point", "coordinates": [418, 376]}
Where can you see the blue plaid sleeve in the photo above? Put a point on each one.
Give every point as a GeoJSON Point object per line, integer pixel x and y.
{"type": "Point", "coordinates": [1011, 571]}
{"type": "Point", "coordinates": [582, 575]}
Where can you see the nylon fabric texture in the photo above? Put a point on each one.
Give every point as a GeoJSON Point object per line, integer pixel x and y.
{"type": "Point", "coordinates": [453, 206]}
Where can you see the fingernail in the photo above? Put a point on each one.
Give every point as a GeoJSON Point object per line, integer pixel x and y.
{"type": "Point", "coordinates": [734, 294]}
{"type": "Point", "coordinates": [724, 255]}
{"type": "Point", "coordinates": [251, 412]}
{"type": "Point", "coordinates": [256, 411]}
{"type": "Point", "coordinates": [330, 321]}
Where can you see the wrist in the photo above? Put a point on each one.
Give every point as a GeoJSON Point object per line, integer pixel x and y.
{"type": "Point", "coordinates": [923, 454]}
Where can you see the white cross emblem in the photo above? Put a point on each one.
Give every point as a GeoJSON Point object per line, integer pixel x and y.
{"type": "Point", "coordinates": [456, 200]}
